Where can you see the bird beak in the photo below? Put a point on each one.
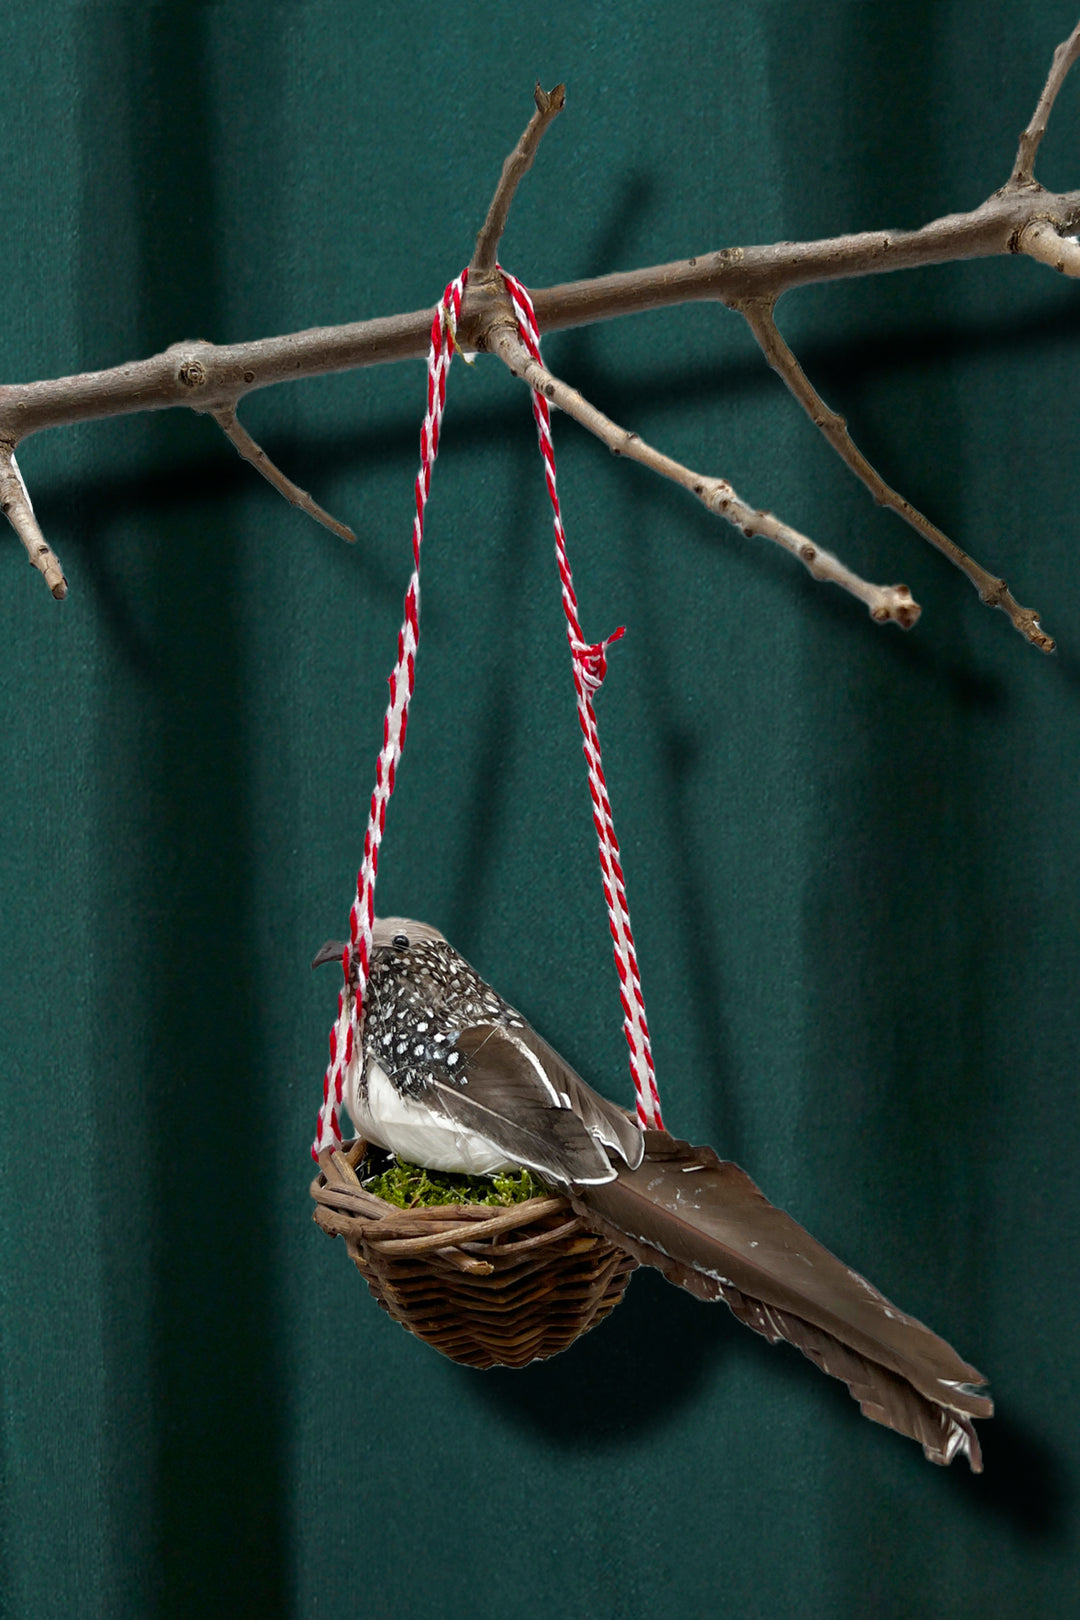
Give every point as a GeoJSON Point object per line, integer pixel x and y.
{"type": "Point", "coordinates": [332, 951]}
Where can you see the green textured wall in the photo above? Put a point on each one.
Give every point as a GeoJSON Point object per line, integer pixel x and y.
{"type": "Point", "coordinates": [853, 855]}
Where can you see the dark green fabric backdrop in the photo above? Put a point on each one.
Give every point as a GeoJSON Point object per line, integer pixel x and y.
{"type": "Point", "coordinates": [852, 854]}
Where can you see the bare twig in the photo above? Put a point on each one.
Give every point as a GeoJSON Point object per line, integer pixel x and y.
{"type": "Point", "coordinates": [887, 603]}
{"type": "Point", "coordinates": [1064, 57]}
{"type": "Point", "coordinates": [549, 103]}
{"type": "Point", "coordinates": [1041, 240]}
{"type": "Point", "coordinates": [238, 435]}
{"type": "Point", "coordinates": [994, 592]}
{"type": "Point", "coordinates": [17, 507]}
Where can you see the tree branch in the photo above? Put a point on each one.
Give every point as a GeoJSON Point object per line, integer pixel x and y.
{"type": "Point", "coordinates": [239, 436]}
{"type": "Point", "coordinates": [17, 507]}
{"type": "Point", "coordinates": [994, 592]}
{"type": "Point", "coordinates": [887, 603]}
{"type": "Point", "coordinates": [735, 274]}
{"type": "Point", "coordinates": [207, 376]}
{"type": "Point", "coordinates": [212, 379]}
{"type": "Point", "coordinates": [549, 104]}
{"type": "Point", "coordinates": [1064, 57]}
{"type": "Point", "coordinates": [1040, 240]}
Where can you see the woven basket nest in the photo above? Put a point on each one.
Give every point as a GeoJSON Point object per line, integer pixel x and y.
{"type": "Point", "coordinates": [488, 1287]}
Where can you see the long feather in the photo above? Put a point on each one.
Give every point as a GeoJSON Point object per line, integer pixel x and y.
{"type": "Point", "coordinates": [706, 1226]}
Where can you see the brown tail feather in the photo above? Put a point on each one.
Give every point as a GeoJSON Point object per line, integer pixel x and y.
{"type": "Point", "coordinates": [705, 1225]}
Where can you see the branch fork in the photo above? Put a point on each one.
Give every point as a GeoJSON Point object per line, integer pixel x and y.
{"type": "Point", "coordinates": [886, 603]}
{"type": "Point", "coordinates": [212, 379]}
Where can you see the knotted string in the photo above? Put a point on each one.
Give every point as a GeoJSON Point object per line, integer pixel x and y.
{"type": "Point", "coordinates": [589, 662]}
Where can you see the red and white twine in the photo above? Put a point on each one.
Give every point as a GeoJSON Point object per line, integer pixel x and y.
{"type": "Point", "coordinates": [589, 662]}
{"type": "Point", "coordinates": [356, 959]}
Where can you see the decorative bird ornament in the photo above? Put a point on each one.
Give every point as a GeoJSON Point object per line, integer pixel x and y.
{"type": "Point", "coordinates": [450, 1076]}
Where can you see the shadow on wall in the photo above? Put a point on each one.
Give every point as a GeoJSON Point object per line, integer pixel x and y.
{"type": "Point", "coordinates": [590, 1397]}
{"type": "Point", "coordinates": [198, 1474]}
{"type": "Point", "coordinates": [904, 930]}
{"type": "Point", "coordinates": [213, 1313]}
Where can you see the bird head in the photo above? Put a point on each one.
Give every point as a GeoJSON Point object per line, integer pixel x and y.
{"type": "Point", "coordinates": [388, 933]}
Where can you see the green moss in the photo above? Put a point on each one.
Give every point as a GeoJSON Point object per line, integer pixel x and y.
{"type": "Point", "coordinates": [410, 1186]}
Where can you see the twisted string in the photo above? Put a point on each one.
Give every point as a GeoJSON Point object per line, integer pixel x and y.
{"type": "Point", "coordinates": [345, 1035]}
{"type": "Point", "coordinates": [589, 662]}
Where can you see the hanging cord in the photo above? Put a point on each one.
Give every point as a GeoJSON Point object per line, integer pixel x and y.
{"type": "Point", "coordinates": [589, 663]}
{"type": "Point", "coordinates": [356, 958]}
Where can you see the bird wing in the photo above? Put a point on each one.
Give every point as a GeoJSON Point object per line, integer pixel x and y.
{"type": "Point", "coordinates": [502, 1092]}
{"type": "Point", "coordinates": [602, 1119]}
{"type": "Point", "coordinates": [707, 1227]}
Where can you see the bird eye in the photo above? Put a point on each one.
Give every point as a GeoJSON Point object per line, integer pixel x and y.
{"type": "Point", "coordinates": [401, 941]}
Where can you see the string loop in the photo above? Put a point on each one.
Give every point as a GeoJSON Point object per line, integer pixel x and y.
{"type": "Point", "coordinates": [589, 665]}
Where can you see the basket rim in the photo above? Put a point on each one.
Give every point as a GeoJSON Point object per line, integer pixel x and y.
{"type": "Point", "coordinates": [336, 1186]}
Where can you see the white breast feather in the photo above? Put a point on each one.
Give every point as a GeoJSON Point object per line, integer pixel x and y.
{"type": "Point", "coordinates": [409, 1129]}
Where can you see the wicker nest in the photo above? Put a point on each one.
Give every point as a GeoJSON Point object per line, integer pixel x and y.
{"type": "Point", "coordinates": [487, 1287]}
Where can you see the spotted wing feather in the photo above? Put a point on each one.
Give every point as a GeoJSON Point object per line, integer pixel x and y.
{"type": "Point", "coordinates": [501, 1092]}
